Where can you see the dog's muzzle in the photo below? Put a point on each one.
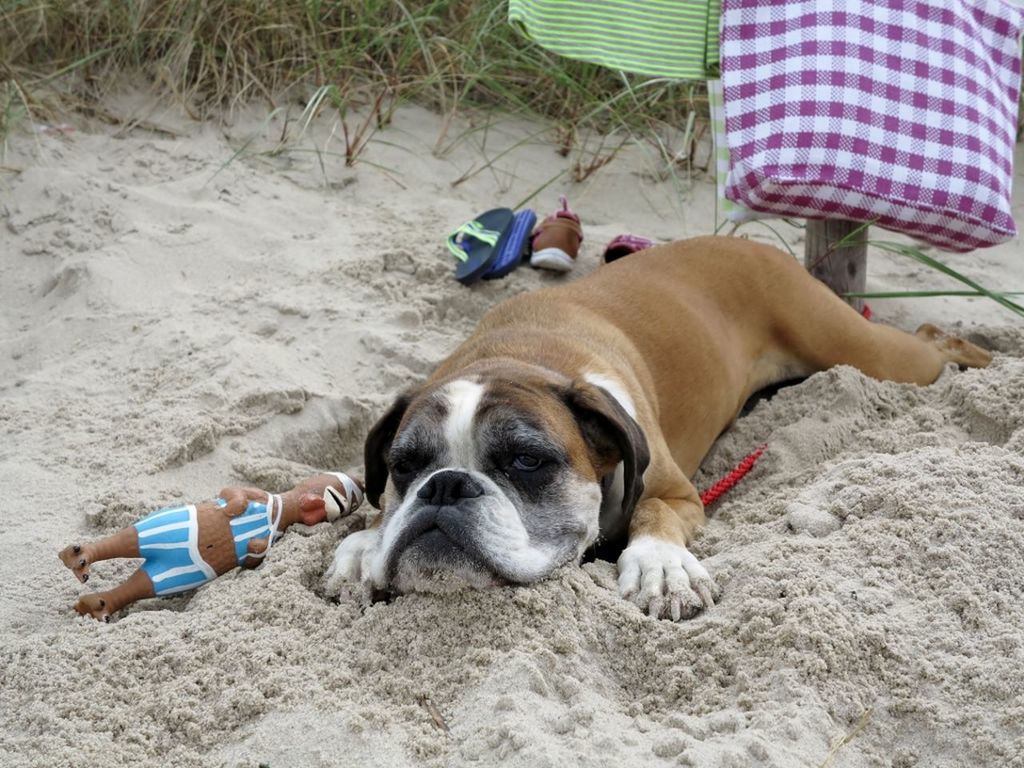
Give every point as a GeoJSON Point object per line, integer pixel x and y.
{"type": "Point", "coordinates": [448, 487]}
{"type": "Point", "coordinates": [439, 528]}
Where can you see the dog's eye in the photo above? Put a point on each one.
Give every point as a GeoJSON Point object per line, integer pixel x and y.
{"type": "Point", "coordinates": [406, 463]}
{"type": "Point", "coordinates": [402, 467]}
{"type": "Point", "coordinates": [524, 462]}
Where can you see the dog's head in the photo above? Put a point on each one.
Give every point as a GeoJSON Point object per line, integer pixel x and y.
{"type": "Point", "coordinates": [495, 476]}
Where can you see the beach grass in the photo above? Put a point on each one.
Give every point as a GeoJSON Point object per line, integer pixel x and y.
{"type": "Point", "coordinates": [918, 254]}
{"type": "Point", "coordinates": [213, 55]}
{"type": "Point", "coordinates": [361, 59]}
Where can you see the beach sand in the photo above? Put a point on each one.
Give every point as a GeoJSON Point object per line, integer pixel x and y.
{"type": "Point", "coordinates": [178, 315]}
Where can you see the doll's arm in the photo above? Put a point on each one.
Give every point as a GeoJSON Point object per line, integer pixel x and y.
{"type": "Point", "coordinates": [238, 499]}
{"type": "Point", "coordinates": [255, 549]}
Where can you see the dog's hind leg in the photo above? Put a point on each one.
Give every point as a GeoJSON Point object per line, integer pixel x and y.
{"type": "Point", "coordinates": [824, 331]}
{"type": "Point", "coordinates": [79, 557]}
{"type": "Point", "coordinates": [954, 349]}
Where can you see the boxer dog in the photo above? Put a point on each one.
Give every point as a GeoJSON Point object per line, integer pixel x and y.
{"type": "Point", "coordinates": [580, 412]}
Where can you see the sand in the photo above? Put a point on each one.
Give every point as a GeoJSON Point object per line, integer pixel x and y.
{"type": "Point", "coordinates": [175, 318]}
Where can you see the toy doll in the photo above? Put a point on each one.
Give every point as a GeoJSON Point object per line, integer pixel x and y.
{"type": "Point", "coordinates": [186, 546]}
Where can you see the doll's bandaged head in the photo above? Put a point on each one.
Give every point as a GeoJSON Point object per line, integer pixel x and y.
{"type": "Point", "coordinates": [338, 505]}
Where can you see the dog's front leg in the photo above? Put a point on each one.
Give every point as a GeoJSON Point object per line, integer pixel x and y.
{"type": "Point", "coordinates": [352, 559]}
{"type": "Point", "coordinates": [656, 570]}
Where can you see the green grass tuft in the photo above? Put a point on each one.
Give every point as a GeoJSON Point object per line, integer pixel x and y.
{"type": "Point", "coordinates": [360, 58]}
{"type": "Point", "coordinates": [213, 54]}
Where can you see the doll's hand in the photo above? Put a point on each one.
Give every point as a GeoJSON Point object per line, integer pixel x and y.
{"type": "Point", "coordinates": [256, 549]}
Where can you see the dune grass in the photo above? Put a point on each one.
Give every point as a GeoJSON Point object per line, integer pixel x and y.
{"type": "Point", "coordinates": [359, 58]}
{"type": "Point", "coordinates": [215, 54]}
{"type": "Point", "coordinates": [356, 59]}
{"type": "Point", "coordinates": [919, 255]}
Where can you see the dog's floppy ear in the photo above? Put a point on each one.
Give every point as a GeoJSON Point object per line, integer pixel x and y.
{"type": "Point", "coordinates": [378, 443]}
{"type": "Point", "coordinates": [613, 436]}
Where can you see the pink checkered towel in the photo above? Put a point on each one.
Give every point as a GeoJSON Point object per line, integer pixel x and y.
{"type": "Point", "coordinates": [896, 112]}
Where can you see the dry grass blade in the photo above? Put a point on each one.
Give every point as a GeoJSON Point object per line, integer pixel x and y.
{"type": "Point", "coordinates": [435, 714]}
{"type": "Point", "coordinates": [538, 190]}
{"type": "Point", "coordinates": [490, 162]}
{"type": "Point", "coordinates": [589, 161]}
{"type": "Point", "coordinates": [245, 145]}
{"type": "Point", "coordinates": [857, 728]}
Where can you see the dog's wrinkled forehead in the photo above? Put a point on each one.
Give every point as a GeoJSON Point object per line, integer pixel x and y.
{"type": "Point", "coordinates": [463, 398]}
{"type": "Point", "coordinates": [462, 416]}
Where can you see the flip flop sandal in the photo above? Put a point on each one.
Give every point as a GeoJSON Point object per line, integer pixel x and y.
{"type": "Point", "coordinates": [475, 244]}
{"type": "Point", "coordinates": [514, 245]}
{"type": "Point", "coordinates": [623, 245]}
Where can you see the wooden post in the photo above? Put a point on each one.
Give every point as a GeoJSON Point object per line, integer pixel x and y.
{"type": "Point", "coordinates": [841, 269]}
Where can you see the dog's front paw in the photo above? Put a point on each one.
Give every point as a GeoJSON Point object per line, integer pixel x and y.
{"type": "Point", "coordinates": [352, 560]}
{"type": "Point", "coordinates": [664, 579]}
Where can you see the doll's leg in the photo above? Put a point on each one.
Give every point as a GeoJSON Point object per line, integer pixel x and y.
{"type": "Point", "coordinates": [100, 605]}
{"type": "Point", "coordinates": [78, 557]}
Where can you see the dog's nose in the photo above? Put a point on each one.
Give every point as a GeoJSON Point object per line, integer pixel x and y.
{"type": "Point", "coordinates": [448, 487]}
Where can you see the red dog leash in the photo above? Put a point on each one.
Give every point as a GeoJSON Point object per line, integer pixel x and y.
{"type": "Point", "coordinates": [710, 496]}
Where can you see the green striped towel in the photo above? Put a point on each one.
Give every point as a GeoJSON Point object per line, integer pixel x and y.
{"type": "Point", "coordinates": [734, 212]}
{"type": "Point", "coordinates": [661, 38]}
